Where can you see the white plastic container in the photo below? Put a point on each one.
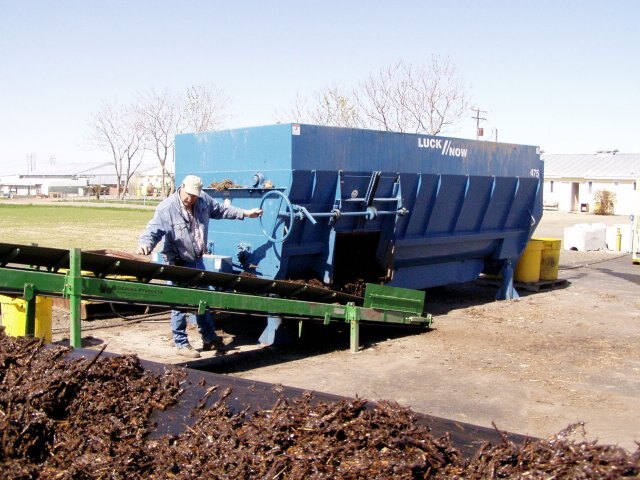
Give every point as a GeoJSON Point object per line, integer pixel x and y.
{"type": "Point", "coordinates": [585, 237]}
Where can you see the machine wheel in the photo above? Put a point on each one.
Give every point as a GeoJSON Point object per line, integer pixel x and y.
{"type": "Point", "coordinates": [272, 217]}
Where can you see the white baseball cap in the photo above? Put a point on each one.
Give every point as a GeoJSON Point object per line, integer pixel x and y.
{"type": "Point", "coordinates": [192, 185]}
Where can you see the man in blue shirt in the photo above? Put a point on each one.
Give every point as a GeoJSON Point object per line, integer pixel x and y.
{"type": "Point", "coordinates": [182, 219]}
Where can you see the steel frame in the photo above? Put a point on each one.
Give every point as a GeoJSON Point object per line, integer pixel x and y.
{"type": "Point", "coordinates": [77, 287]}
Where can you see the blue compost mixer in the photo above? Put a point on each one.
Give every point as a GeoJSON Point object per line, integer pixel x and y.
{"type": "Point", "coordinates": [345, 205]}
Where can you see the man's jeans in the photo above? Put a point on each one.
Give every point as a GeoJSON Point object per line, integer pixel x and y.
{"type": "Point", "coordinates": [206, 326]}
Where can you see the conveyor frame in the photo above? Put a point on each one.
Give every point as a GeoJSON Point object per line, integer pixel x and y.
{"type": "Point", "coordinates": [78, 286]}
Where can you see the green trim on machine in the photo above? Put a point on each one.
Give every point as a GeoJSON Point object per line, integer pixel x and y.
{"type": "Point", "coordinates": [394, 298]}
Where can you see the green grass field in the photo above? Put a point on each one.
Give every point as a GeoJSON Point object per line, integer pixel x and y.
{"type": "Point", "coordinates": [86, 227]}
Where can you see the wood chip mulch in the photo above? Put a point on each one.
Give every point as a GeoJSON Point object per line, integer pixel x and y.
{"type": "Point", "coordinates": [64, 418]}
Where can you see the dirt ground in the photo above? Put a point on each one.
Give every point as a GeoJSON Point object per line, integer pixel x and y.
{"type": "Point", "coordinates": [532, 366]}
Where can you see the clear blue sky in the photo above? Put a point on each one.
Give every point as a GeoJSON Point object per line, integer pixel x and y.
{"type": "Point", "coordinates": [564, 75]}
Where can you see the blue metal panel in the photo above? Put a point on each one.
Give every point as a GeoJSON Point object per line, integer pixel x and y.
{"type": "Point", "coordinates": [447, 203]}
{"type": "Point", "coordinates": [470, 204]}
{"type": "Point", "coordinates": [329, 148]}
{"type": "Point", "coordinates": [236, 154]}
{"type": "Point", "coordinates": [239, 155]}
{"type": "Point", "coordinates": [474, 204]}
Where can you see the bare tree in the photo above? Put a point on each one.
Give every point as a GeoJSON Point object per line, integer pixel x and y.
{"type": "Point", "coordinates": [401, 98]}
{"type": "Point", "coordinates": [377, 100]}
{"type": "Point", "coordinates": [204, 108]}
{"type": "Point", "coordinates": [330, 107]}
{"type": "Point", "coordinates": [161, 120]}
{"type": "Point", "coordinates": [166, 114]}
{"type": "Point", "coordinates": [118, 130]}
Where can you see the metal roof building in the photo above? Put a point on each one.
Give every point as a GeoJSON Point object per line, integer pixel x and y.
{"type": "Point", "coordinates": [76, 176]}
{"type": "Point", "coordinates": [607, 165]}
{"type": "Point", "coordinates": [572, 181]}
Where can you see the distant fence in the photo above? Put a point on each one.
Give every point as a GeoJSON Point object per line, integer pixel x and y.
{"type": "Point", "coordinates": [104, 199]}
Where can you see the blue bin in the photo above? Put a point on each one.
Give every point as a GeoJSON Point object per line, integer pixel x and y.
{"type": "Point", "coordinates": [407, 210]}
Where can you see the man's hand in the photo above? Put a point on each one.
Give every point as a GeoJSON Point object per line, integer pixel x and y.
{"type": "Point", "coordinates": [253, 213]}
{"type": "Point", "coordinates": [143, 250]}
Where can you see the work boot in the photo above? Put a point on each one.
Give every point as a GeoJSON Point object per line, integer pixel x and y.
{"type": "Point", "coordinates": [187, 351]}
{"type": "Point", "coordinates": [216, 344]}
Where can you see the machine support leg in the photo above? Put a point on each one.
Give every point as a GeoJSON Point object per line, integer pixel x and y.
{"type": "Point", "coordinates": [351, 316]}
{"type": "Point", "coordinates": [275, 332]}
{"type": "Point", "coordinates": [74, 290]}
{"type": "Point", "coordinates": [506, 291]}
{"type": "Point", "coordinates": [30, 310]}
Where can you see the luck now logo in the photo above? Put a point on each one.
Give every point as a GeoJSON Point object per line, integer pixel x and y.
{"type": "Point", "coordinates": [445, 146]}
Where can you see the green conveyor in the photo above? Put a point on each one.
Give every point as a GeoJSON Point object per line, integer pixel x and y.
{"type": "Point", "coordinates": [28, 271]}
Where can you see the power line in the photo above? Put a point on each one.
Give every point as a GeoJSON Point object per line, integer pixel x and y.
{"type": "Point", "coordinates": [31, 162]}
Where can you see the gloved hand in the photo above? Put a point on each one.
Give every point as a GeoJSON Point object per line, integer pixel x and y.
{"type": "Point", "coordinates": [143, 250]}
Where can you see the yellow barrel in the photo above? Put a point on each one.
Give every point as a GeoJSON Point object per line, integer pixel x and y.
{"type": "Point", "coordinates": [549, 258]}
{"type": "Point", "coordinates": [14, 317]}
{"type": "Point", "coordinates": [528, 267]}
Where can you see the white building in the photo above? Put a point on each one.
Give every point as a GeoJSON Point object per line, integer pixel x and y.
{"type": "Point", "coordinates": [72, 179]}
{"type": "Point", "coordinates": [63, 179]}
{"type": "Point", "coordinates": [572, 180]}
{"type": "Point", "coordinates": [148, 181]}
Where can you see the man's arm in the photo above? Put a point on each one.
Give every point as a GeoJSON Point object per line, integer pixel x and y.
{"type": "Point", "coordinates": [219, 210]}
{"type": "Point", "coordinates": [151, 235]}
{"type": "Point", "coordinates": [253, 213]}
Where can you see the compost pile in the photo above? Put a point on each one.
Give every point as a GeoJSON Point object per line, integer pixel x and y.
{"type": "Point", "coordinates": [225, 184]}
{"type": "Point", "coordinates": [75, 418]}
{"type": "Point", "coordinates": [356, 287]}
{"type": "Point", "coordinates": [90, 418]}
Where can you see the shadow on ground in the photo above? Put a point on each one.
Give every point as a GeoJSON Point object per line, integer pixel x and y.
{"type": "Point", "coordinates": [319, 339]}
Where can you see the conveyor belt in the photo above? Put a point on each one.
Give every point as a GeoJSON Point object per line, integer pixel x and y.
{"type": "Point", "coordinates": [104, 265]}
{"type": "Point", "coordinates": [252, 395]}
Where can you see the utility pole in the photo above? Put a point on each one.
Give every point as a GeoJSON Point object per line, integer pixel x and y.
{"type": "Point", "coordinates": [31, 162]}
{"type": "Point", "coordinates": [477, 118]}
